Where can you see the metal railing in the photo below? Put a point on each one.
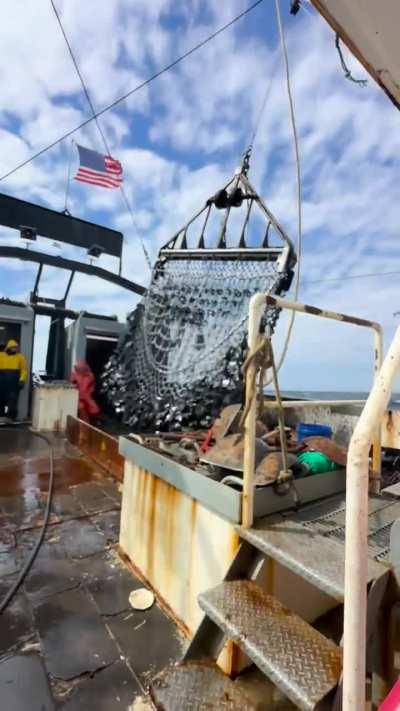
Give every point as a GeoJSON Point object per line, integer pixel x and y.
{"type": "Point", "coordinates": [356, 542]}
{"type": "Point", "coordinates": [258, 304]}
{"type": "Point", "coordinates": [367, 432]}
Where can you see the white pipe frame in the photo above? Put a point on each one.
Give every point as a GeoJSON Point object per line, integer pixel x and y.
{"type": "Point", "coordinates": [367, 432]}
{"type": "Point", "coordinates": [356, 543]}
{"type": "Point", "coordinates": [258, 304]}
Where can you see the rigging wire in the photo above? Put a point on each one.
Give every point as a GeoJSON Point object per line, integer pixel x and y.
{"type": "Point", "coordinates": [264, 102]}
{"type": "Point", "coordinates": [299, 188]}
{"type": "Point", "coordinates": [346, 70]}
{"type": "Point", "coordinates": [101, 133]}
{"type": "Point", "coordinates": [137, 88]}
{"type": "Point", "coordinates": [351, 276]}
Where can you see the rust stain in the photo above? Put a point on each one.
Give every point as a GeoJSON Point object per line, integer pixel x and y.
{"type": "Point", "coordinates": [231, 658]}
{"type": "Point", "coordinates": [97, 445]}
{"type": "Point", "coordinates": [193, 517]}
{"type": "Point", "coordinates": [389, 421]}
{"type": "Point", "coordinates": [172, 503]}
{"type": "Point", "coordinates": [391, 430]}
{"type": "Point", "coordinates": [140, 503]}
{"type": "Point", "coordinates": [150, 498]}
{"type": "Point", "coordinates": [29, 475]}
{"type": "Point", "coordinates": [234, 543]}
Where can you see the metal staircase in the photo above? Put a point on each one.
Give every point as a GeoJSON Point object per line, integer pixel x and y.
{"type": "Point", "coordinates": [293, 655]}
{"type": "Point", "coordinates": [300, 661]}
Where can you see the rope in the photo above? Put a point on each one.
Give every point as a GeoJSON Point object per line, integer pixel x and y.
{"type": "Point", "coordinates": [138, 87]}
{"type": "Point", "coordinates": [261, 358]}
{"type": "Point", "coordinates": [285, 474]}
{"type": "Point", "coordinates": [100, 130]}
{"type": "Point", "coordinates": [299, 189]}
{"type": "Point", "coordinates": [346, 70]}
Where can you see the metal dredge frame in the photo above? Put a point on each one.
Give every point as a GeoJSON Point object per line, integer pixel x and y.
{"type": "Point", "coordinates": [177, 247]}
{"type": "Point", "coordinates": [273, 265]}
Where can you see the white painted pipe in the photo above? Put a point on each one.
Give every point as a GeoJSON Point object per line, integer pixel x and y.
{"type": "Point", "coordinates": [356, 550]}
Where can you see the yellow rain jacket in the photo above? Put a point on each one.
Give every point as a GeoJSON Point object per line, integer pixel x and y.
{"type": "Point", "coordinates": [13, 367]}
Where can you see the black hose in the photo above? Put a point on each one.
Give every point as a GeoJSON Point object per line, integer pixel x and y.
{"type": "Point", "coordinates": [8, 597]}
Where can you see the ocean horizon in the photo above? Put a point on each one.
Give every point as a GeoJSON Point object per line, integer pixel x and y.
{"type": "Point", "coordinates": [334, 395]}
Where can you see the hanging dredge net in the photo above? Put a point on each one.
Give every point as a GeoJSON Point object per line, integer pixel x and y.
{"type": "Point", "coordinates": [180, 361]}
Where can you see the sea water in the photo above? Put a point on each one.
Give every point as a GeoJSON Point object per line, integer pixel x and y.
{"type": "Point", "coordinates": [336, 395]}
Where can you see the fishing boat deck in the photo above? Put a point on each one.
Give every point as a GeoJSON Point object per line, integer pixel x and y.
{"type": "Point", "coordinates": [70, 639]}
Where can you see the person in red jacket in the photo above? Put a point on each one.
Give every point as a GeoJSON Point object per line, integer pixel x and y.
{"type": "Point", "coordinates": [83, 378]}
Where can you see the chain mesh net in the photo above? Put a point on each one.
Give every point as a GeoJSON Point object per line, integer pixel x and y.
{"type": "Point", "coordinates": [181, 359]}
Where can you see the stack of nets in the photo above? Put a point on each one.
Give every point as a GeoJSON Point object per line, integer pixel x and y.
{"type": "Point", "coordinates": [181, 359]}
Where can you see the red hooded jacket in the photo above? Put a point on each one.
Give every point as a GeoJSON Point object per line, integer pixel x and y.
{"type": "Point", "coordinates": [83, 377]}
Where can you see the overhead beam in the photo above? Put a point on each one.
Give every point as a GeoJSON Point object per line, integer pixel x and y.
{"type": "Point", "coordinates": [31, 255]}
{"type": "Point", "coordinates": [59, 226]}
{"type": "Point", "coordinates": [54, 311]}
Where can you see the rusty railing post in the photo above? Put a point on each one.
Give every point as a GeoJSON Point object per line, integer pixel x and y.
{"type": "Point", "coordinates": [256, 310]}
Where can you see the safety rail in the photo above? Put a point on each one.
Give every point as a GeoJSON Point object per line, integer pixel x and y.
{"type": "Point", "coordinates": [356, 541]}
{"type": "Point", "coordinates": [367, 432]}
{"type": "Point", "coordinates": [258, 304]}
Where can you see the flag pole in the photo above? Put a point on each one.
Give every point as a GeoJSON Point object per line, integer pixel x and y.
{"type": "Point", "coordinates": [68, 180]}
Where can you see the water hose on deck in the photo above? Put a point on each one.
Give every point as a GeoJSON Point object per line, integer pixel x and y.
{"type": "Point", "coordinates": [14, 588]}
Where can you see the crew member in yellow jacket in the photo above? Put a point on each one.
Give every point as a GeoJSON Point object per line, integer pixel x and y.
{"type": "Point", "coordinates": [13, 373]}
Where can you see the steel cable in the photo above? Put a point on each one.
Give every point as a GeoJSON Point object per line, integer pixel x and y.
{"type": "Point", "coordinates": [100, 130]}
{"type": "Point", "coordinates": [299, 190]}
{"type": "Point", "coordinates": [135, 89]}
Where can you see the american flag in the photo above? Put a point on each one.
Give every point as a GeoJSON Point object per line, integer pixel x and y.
{"type": "Point", "coordinates": [97, 169]}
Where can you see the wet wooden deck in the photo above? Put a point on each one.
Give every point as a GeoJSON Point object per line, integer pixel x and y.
{"type": "Point", "coordinates": [70, 633]}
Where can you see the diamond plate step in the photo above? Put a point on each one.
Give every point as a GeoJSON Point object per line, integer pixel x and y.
{"type": "Point", "coordinates": [300, 661]}
{"type": "Point", "coordinates": [314, 557]}
{"type": "Point", "coordinates": [198, 686]}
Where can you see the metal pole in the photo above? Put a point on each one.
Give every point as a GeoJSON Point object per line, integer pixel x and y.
{"type": "Point", "coordinates": [67, 186]}
{"type": "Point", "coordinates": [315, 311]}
{"type": "Point", "coordinates": [375, 485]}
{"type": "Point", "coordinates": [256, 310]}
{"type": "Point", "coordinates": [356, 550]}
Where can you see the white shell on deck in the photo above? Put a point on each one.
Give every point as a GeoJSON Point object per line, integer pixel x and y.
{"type": "Point", "coordinates": [141, 599]}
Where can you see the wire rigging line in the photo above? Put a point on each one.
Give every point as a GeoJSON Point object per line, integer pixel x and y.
{"type": "Point", "coordinates": [89, 100]}
{"type": "Point", "coordinates": [137, 88]}
{"type": "Point", "coordinates": [101, 132]}
{"type": "Point", "coordinates": [264, 102]}
{"type": "Point", "coordinates": [351, 276]}
{"type": "Point", "coordinates": [299, 186]}
{"type": "Point", "coordinates": [346, 70]}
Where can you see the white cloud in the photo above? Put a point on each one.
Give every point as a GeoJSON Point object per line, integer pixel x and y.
{"type": "Point", "coordinates": [180, 139]}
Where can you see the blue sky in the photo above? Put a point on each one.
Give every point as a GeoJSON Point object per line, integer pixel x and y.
{"type": "Point", "coordinates": [181, 138]}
